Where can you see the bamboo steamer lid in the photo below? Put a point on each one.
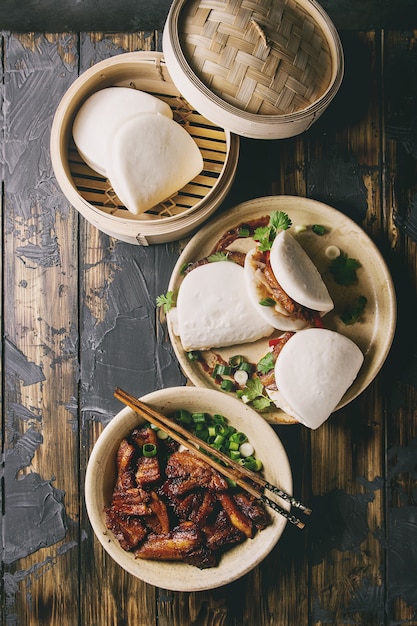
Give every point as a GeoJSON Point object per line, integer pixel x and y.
{"type": "Point", "coordinates": [92, 194]}
{"type": "Point", "coordinates": [264, 69]}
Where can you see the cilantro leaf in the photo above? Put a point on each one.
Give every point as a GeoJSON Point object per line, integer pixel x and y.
{"type": "Point", "coordinates": [218, 256]}
{"type": "Point", "coordinates": [262, 236]}
{"type": "Point", "coordinates": [252, 390]}
{"type": "Point", "coordinates": [343, 269]}
{"type": "Point", "coordinates": [166, 301]}
{"type": "Point", "coordinates": [352, 312]}
{"type": "Point", "coordinates": [280, 220]}
{"type": "Point", "coordinates": [266, 363]}
{"type": "Point", "coordinates": [265, 235]}
{"type": "Point", "coordinates": [254, 393]}
{"type": "Point", "coordinates": [261, 403]}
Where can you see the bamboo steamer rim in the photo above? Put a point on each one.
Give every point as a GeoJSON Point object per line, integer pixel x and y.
{"type": "Point", "coordinates": [216, 108]}
{"type": "Point", "coordinates": [117, 70]}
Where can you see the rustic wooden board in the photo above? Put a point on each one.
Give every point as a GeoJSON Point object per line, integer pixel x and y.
{"type": "Point", "coordinates": [79, 318]}
{"type": "Point", "coordinates": [134, 15]}
{"type": "Point", "coordinates": [40, 318]}
{"type": "Point", "coordinates": [401, 187]}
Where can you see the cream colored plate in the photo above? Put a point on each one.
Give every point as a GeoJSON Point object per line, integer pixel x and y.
{"type": "Point", "coordinates": [375, 331]}
{"type": "Point", "coordinates": [237, 561]}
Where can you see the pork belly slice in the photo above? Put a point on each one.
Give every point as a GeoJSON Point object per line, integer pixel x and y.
{"type": "Point", "coordinates": [141, 436]}
{"type": "Point", "coordinates": [251, 507]}
{"type": "Point", "coordinates": [159, 508]}
{"type": "Point", "coordinates": [128, 530]}
{"type": "Point", "coordinates": [196, 506]}
{"type": "Point", "coordinates": [125, 460]}
{"type": "Point", "coordinates": [236, 516]}
{"type": "Point", "coordinates": [203, 558]}
{"type": "Point", "coordinates": [148, 471]}
{"type": "Point", "coordinates": [172, 546]}
{"type": "Point", "coordinates": [221, 533]}
{"type": "Point", "coordinates": [185, 464]}
{"type": "Point", "coordinates": [133, 501]}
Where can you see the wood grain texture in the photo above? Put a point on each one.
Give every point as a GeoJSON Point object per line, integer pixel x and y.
{"type": "Point", "coordinates": [40, 330]}
{"type": "Point", "coordinates": [134, 15]}
{"type": "Point", "coordinates": [79, 319]}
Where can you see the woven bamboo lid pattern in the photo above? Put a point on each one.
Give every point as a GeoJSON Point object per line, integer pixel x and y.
{"type": "Point", "coordinates": [267, 68]}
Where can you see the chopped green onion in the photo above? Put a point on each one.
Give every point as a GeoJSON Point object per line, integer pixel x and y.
{"type": "Point", "coordinates": [199, 418]}
{"type": "Point", "coordinates": [246, 449]}
{"type": "Point", "coordinates": [184, 417]}
{"type": "Point", "coordinates": [241, 377]}
{"type": "Point", "coordinates": [318, 229]}
{"type": "Point", "coordinates": [239, 437]}
{"type": "Point", "coordinates": [149, 449]}
{"type": "Point", "coordinates": [219, 418]}
{"type": "Point", "coordinates": [193, 355]}
{"type": "Point", "coordinates": [161, 434]}
{"type": "Point", "coordinates": [234, 445]}
{"type": "Point", "coordinates": [249, 462]}
{"type": "Point", "coordinates": [222, 370]}
{"type": "Point", "coordinates": [300, 228]}
{"type": "Point", "coordinates": [246, 367]}
{"type": "Point", "coordinates": [236, 360]}
{"type": "Point", "coordinates": [227, 385]}
{"type": "Point", "coordinates": [332, 252]}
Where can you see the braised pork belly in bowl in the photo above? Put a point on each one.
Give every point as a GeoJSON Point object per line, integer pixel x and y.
{"type": "Point", "coordinates": [167, 516]}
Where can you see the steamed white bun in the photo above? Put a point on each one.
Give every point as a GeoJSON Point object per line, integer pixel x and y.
{"type": "Point", "coordinates": [151, 158]}
{"type": "Point", "coordinates": [102, 114]}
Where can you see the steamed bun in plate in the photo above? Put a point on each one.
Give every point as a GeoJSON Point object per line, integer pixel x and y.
{"type": "Point", "coordinates": [213, 309]}
{"type": "Point", "coordinates": [297, 274]}
{"type": "Point", "coordinates": [313, 371]}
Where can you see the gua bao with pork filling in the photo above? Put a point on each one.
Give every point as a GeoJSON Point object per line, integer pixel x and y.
{"type": "Point", "coordinates": [285, 286]}
{"type": "Point", "coordinates": [307, 373]}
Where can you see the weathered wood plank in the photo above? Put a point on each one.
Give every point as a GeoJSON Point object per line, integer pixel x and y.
{"type": "Point", "coordinates": [79, 319]}
{"type": "Point", "coordinates": [41, 507]}
{"type": "Point", "coordinates": [344, 169]}
{"type": "Point", "coordinates": [401, 188]}
{"type": "Point", "coordinates": [131, 15]}
{"type": "Point", "coordinates": [121, 344]}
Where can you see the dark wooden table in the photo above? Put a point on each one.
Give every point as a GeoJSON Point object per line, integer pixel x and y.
{"type": "Point", "coordinates": [79, 318]}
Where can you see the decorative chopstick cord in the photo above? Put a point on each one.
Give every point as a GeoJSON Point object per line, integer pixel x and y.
{"type": "Point", "coordinates": [233, 471]}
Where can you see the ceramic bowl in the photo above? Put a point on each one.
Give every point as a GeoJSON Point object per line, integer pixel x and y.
{"type": "Point", "coordinates": [239, 559]}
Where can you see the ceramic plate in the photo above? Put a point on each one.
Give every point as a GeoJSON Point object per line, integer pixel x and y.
{"type": "Point", "coordinates": [375, 330]}
{"type": "Point", "coordinates": [237, 561]}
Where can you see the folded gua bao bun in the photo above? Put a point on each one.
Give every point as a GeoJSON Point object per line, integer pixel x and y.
{"type": "Point", "coordinates": [294, 271]}
{"type": "Point", "coordinates": [102, 114]}
{"type": "Point", "coordinates": [313, 371]}
{"type": "Point", "coordinates": [151, 157]}
{"type": "Point", "coordinates": [214, 310]}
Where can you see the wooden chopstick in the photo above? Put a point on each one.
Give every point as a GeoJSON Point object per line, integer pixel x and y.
{"type": "Point", "coordinates": [232, 470]}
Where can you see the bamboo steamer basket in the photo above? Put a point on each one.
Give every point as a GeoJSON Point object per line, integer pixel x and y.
{"type": "Point", "coordinates": [264, 69]}
{"type": "Point", "coordinates": [92, 195]}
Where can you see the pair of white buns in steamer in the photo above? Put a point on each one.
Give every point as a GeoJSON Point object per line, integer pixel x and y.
{"type": "Point", "coordinates": [218, 306]}
{"type": "Point", "coordinates": [131, 138]}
